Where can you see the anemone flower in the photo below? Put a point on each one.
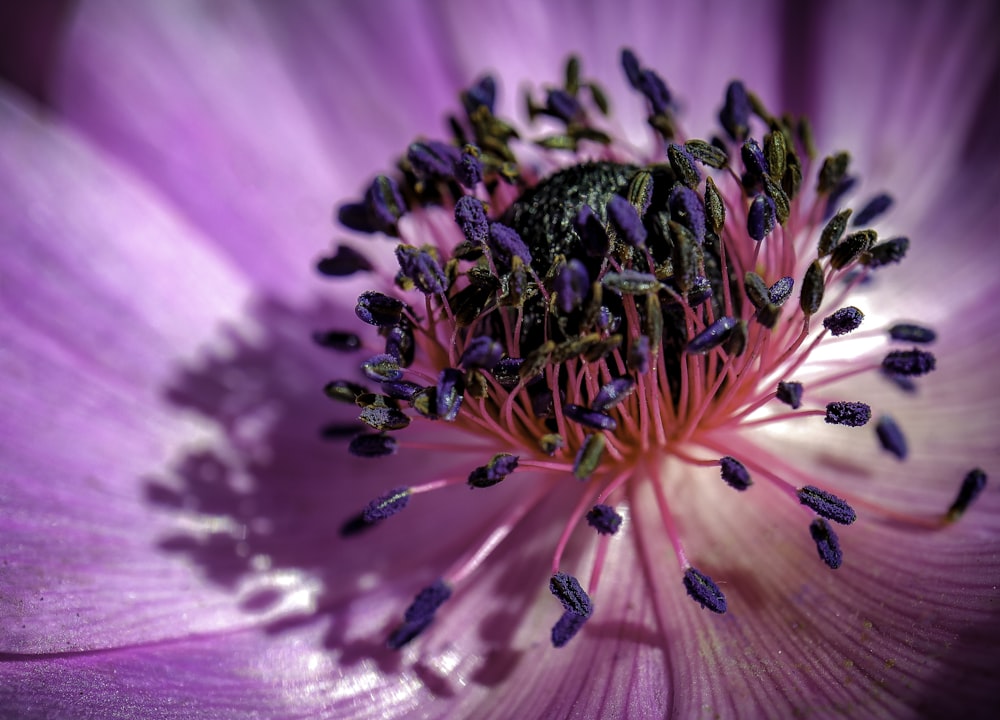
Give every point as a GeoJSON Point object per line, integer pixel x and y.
{"type": "Point", "coordinates": [632, 312]}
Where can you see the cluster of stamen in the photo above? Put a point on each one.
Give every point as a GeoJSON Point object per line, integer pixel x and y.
{"type": "Point", "coordinates": [599, 308]}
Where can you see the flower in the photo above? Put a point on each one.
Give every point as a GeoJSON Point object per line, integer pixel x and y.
{"type": "Point", "coordinates": [170, 520]}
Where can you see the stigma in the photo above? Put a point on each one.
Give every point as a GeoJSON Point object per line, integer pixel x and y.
{"type": "Point", "coordinates": [587, 306]}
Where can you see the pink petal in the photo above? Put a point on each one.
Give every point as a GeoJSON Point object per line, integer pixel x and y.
{"type": "Point", "coordinates": [248, 124]}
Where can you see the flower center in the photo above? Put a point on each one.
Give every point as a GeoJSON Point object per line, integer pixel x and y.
{"type": "Point", "coordinates": [589, 308]}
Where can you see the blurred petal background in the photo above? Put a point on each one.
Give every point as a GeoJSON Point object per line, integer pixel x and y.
{"type": "Point", "coordinates": [168, 514]}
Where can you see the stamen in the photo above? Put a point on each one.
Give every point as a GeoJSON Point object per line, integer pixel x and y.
{"type": "Point", "coordinates": [908, 332]}
{"type": "Point", "coordinates": [972, 485]}
{"type": "Point", "coordinates": [711, 337]}
{"type": "Point", "coordinates": [687, 209]}
{"type": "Point", "coordinates": [851, 414]}
{"type": "Point", "coordinates": [588, 456]}
{"type": "Point", "coordinates": [591, 231]}
{"type": "Point", "coordinates": [780, 291]}
{"type": "Point", "coordinates": [498, 468]}
{"type": "Point", "coordinates": [471, 218]}
{"type": "Point", "coordinates": [378, 309]}
{"type": "Point", "coordinates": [613, 393]}
{"type": "Point", "coordinates": [704, 590]}
{"type": "Point", "coordinates": [506, 242]}
{"type": "Point", "coordinates": [909, 363]}
{"type": "Point", "coordinates": [387, 505]}
{"type": "Point", "coordinates": [450, 390]}
{"type": "Point", "coordinates": [790, 393]}
{"type": "Point", "coordinates": [382, 367]}
{"type": "Point", "coordinates": [851, 248]}
{"type": "Point", "coordinates": [844, 321]}
{"type": "Point", "coordinates": [572, 285]}
{"type": "Point", "coordinates": [735, 113]}
{"type": "Point", "coordinates": [604, 519]}
{"type": "Point", "coordinates": [890, 251]}
{"type": "Point", "coordinates": [573, 597]}
{"type": "Point", "coordinates": [761, 218]}
{"type": "Point", "coordinates": [373, 445]}
{"type": "Point", "coordinates": [891, 437]}
{"type": "Point", "coordinates": [590, 418]}
{"type": "Point", "coordinates": [420, 268]}
{"type": "Point", "coordinates": [834, 230]}
{"type": "Point", "coordinates": [420, 614]}
{"type": "Point", "coordinates": [811, 295]}
{"type": "Point", "coordinates": [566, 628]}
{"type": "Point", "coordinates": [827, 505]}
{"type": "Point", "coordinates": [875, 208]}
{"type": "Point", "coordinates": [735, 473]}
{"type": "Point", "coordinates": [336, 340]}
{"type": "Point", "coordinates": [682, 163]}
{"type": "Point", "coordinates": [345, 262]}
{"type": "Point", "coordinates": [827, 543]}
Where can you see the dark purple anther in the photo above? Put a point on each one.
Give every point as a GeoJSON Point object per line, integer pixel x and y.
{"type": "Point", "coordinates": [420, 614]}
{"type": "Point", "coordinates": [433, 159]}
{"type": "Point", "coordinates": [761, 217]}
{"type": "Point", "coordinates": [639, 355]}
{"type": "Point", "coordinates": [381, 417]}
{"type": "Point", "coordinates": [908, 332]}
{"type": "Point", "coordinates": [573, 598]}
{"type": "Point", "coordinates": [400, 344]}
{"type": "Point", "coordinates": [373, 445]}
{"type": "Point", "coordinates": [890, 251]}
{"type": "Point", "coordinates": [613, 393]}
{"type": "Point", "coordinates": [735, 113]}
{"type": "Point", "coordinates": [604, 519]}
{"type": "Point", "coordinates": [827, 505]}
{"type": "Point", "coordinates": [385, 204]}
{"type": "Point", "coordinates": [387, 505]}
{"type": "Point", "coordinates": [469, 169]}
{"type": "Point", "coordinates": [346, 261]}
{"type": "Point", "coordinates": [471, 218]}
{"type": "Point", "coordinates": [683, 165]}
{"type": "Point", "coordinates": [572, 285]}
{"type": "Point", "coordinates": [909, 363]}
{"type": "Point", "coordinates": [630, 63]}
{"type": "Point", "coordinates": [421, 268]}
{"type": "Point", "coordinates": [704, 590]}
{"type": "Point", "coordinates": [508, 372]}
{"type": "Point", "coordinates": [875, 207]}
{"type": "Point", "coordinates": [482, 352]}
{"type": "Point", "coordinates": [735, 473]}
{"type": "Point", "coordinates": [591, 231]}
{"type": "Point", "coordinates": [505, 242]}
{"type": "Point", "coordinates": [383, 368]}
{"type": "Point", "coordinates": [378, 309]}
{"type": "Point", "coordinates": [401, 389]}
{"type": "Point", "coordinates": [450, 390]}
{"type": "Point", "coordinates": [336, 340]}
{"type": "Point", "coordinates": [712, 336]}
{"type": "Point", "coordinates": [687, 209]}
{"type": "Point", "coordinates": [590, 418]}
{"type": "Point", "coordinates": [780, 291]}
{"type": "Point", "coordinates": [482, 93]}
{"type": "Point", "coordinates": [566, 628]}
{"type": "Point", "coordinates": [837, 193]}
{"type": "Point", "coordinates": [754, 160]}
{"type": "Point", "coordinates": [562, 105]}
{"type": "Point", "coordinates": [790, 393]}
{"type": "Point", "coordinates": [844, 321]}
{"type": "Point", "coordinates": [498, 468]}
{"type": "Point", "coordinates": [851, 414]}
{"type": "Point", "coordinates": [652, 86]}
{"type": "Point", "coordinates": [626, 221]}
{"type": "Point", "coordinates": [972, 485]}
{"type": "Point", "coordinates": [827, 544]}
{"type": "Point", "coordinates": [701, 290]}
{"type": "Point", "coordinates": [891, 436]}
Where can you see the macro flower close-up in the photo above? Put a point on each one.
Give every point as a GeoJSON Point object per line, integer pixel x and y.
{"type": "Point", "coordinates": [446, 359]}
